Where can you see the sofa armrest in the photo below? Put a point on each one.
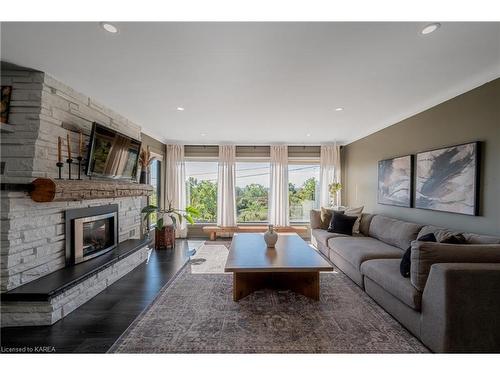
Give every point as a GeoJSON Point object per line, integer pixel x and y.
{"type": "Point", "coordinates": [461, 308]}
{"type": "Point", "coordinates": [315, 217]}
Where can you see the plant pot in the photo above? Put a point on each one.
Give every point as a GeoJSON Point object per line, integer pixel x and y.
{"type": "Point", "coordinates": [165, 237]}
{"type": "Point", "coordinates": [143, 177]}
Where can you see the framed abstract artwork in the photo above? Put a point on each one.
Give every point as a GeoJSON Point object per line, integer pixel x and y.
{"type": "Point", "coordinates": [395, 180]}
{"type": "Point", "coordinates": [5, 103]}
{"type": "Point", "coordinates": [447, 179]}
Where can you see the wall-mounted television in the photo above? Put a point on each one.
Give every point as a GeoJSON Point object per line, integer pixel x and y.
{"type": "Point", "coordinates": [112, 154]}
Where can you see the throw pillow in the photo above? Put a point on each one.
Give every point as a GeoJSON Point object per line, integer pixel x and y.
{"type": "Point", "coordinates": [405, 265]}
{"type": "Point", "coordinates": [457, 239]}
{"type": "Point", "coordinates": [326, 216]}
{"type": "Point", "coordinates": [355, 212]}
{"type": "Point", "coordinates": [342, 224]}
{"type": "Point", "coordinates": [443, 234]}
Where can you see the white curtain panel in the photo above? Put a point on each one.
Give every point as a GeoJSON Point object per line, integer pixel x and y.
{"type": "Point", "coordinates": [226, 200]}
{"type": "Point", "coordinates": [176, 183]}
{"type": "Point", "coordinates": [278, 198]}
{"type": "Point", "coordinates": [329, 172]}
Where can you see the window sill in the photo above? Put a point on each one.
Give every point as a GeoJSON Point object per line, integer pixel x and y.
{"type": "Point", "coordinates": [295, 223]}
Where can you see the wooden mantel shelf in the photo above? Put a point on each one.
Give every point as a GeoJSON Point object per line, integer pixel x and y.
{"type": "Point", "coordinates": [49, 190]}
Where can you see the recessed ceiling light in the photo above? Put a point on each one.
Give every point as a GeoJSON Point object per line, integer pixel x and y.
{"type": "Point", "coordinates": [180, 108]}
{"type": "Point", "coordinates": [338, 109]}
{"type": "Point", "coordinates": [430, 28]}
{"type": "Point", "coordinates": [109, 27]}
{"type": "Point", "coordinates": [308, 134]}
{"type": "Point", "coordinates": [203, 134]}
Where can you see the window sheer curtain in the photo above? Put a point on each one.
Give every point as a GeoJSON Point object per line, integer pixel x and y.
{"type": "Point", "coordinates": [226, 200]}
{"type": "Point", "coordinates": [278, 197]}
{"type": "Point", "coordinates": [175, 183]}
{"type": "Point", "coordinates": [329, 172]}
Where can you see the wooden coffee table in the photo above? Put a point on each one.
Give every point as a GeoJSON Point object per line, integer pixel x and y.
{"type": "Point", "coordinates": [292, 264]}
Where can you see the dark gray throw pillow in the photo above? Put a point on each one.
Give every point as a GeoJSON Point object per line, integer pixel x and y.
{"type": "Point", "coordinates": [457, 239]}
{"type": "Point", "coordinates": [342, 224]}
{"type": "Point", "coordinates": [405, 264]}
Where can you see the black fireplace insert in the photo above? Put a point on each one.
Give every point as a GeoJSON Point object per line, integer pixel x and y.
{"type": "Point", "coordinates": [90, 232]}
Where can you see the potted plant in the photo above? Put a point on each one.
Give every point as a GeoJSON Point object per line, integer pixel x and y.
{"type": "Point", "coordinates": [334, 189]}
{"type": "Point", "coordinates": [165, 232]}
{"type": "Point", "coordinates": [145, 160]}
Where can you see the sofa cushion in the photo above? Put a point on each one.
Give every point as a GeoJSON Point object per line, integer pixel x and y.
{"type": "Point", "coordinates": [426, 229]}
{"type": "Point", "coordinates": [405, 266]}
{"type": "Point", "coordinates": [342, 224]}
{"type": "Point", "coordinates": [394, 232]}
{"type": "Point", "coordinates": [322, 236]}
{"type": "Point", "coordinates": [457, 239]}
{"type": "Point", "coordinates": [385, 272]}
{"type": "Point", "coordinates": [364, 224]}
{"type": "Point", "coordinates": [473, 238]}
{"type": "Point", "coordinates": [326, 217]}
{"type": "Point", "coordinates": [356, 250]}
{"type": "Point", "coordinates": [355, 211]}
{"type": "Point", "coordinates": [425, 254]}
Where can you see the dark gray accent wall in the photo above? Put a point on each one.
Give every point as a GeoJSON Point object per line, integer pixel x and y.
{"type": "Point", "coordinates": [473, 116]}
{"type": "Point", "coordinates": [159, 148]}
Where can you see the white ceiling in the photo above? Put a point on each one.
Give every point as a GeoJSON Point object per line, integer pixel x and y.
{"type": "Point", "coordinates": [258, 83]}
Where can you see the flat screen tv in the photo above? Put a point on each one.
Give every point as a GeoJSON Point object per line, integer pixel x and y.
{"type": "Point", "coordinates": [112, 154]}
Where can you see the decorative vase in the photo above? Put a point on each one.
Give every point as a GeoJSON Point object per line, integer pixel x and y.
{"type": "Point", "coordinates": [143, 177]}
{"type": "Point", "coordinates": [271, 237]}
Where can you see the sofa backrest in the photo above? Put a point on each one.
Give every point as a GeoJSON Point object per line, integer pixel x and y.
{"type": "Point", "coordinates": [425, 254]}
{"type": "Point", "coordinates": [393, 231]}
{"type": "Point", "coordinates": [471, 238]}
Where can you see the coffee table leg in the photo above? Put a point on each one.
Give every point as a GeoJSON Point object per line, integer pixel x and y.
{"type": "Point", "coordinates": [245, 283]}
{"type": "Point", "coordinates": [305, 283]}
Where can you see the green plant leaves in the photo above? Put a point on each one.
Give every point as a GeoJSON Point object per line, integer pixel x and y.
{"type": "Point", "coordinates": [159, 224]}
{"type": "Point", "coordinates": [149, 209]}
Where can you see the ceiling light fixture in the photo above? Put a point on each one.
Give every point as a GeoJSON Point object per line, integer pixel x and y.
{"type": "Point", "coordinates": [180, 108]}
{"type": "Point", "coordinates": [430, 28]}
{"type": "Point", "coordinates": [338, 109]}
{"type": "Point", "coordinates": [109, 27]}
{"type": "Point", "coordinates": [203, 134]}
{"type": "Point", "coordinates": [308, 134]}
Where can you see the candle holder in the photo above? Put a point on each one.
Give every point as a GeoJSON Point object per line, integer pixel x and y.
{"type": "Point", "coordinates": [79, 167]}
{"type": "Point", "coordinates": [59, 166]}
{"type": "Point", "coordinates": [69, 161]}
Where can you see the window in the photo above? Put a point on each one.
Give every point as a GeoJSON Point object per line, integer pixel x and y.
{"type": "Point", "coordinates": [201, 189]}
{"type": "Point", "coordinates": [252, 191]}
{"type": "Point", "coordinates": [155, 181]}
{"type": "Point", "coordinates": [303, 190]}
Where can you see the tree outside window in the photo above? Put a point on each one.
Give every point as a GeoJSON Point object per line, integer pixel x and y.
{"type": "Point", "coordinates": [252, 191]}
{"type": "Point", "coordinates": [201, 189]}
{"type": "Point", "coordinates": [303, 190]}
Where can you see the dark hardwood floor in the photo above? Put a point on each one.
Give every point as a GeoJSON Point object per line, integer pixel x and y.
{"type": "Point", "coordinates": [96, 325]}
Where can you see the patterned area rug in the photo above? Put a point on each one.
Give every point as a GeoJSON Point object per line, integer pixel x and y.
{"type": "Point", "coordinates": [196, 314]}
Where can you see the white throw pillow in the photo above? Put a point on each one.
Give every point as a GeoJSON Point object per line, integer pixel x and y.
{"type": "Point", "coordinates": [357, 211]}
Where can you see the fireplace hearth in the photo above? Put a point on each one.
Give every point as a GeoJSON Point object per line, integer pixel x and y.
{"type": "Point", "coordinates": [93, 231]}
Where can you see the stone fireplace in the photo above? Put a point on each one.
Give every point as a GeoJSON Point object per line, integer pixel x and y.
{"type": "Point", "coordinates": [57, 255]}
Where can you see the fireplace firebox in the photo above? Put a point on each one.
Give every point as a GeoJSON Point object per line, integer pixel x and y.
{"type": "Point", "coordinates": [91, 232]}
